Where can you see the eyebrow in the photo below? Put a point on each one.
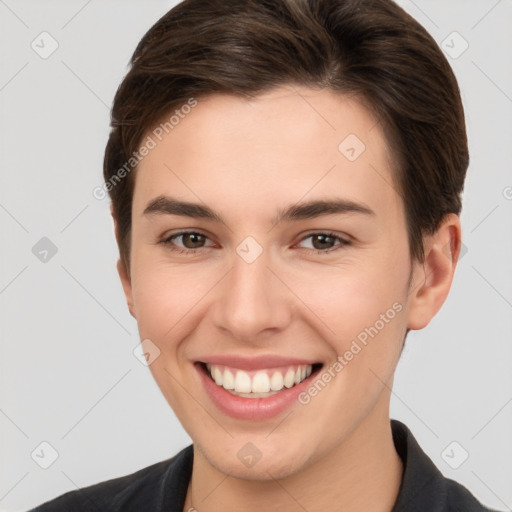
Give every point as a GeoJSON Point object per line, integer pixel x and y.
{"type": "Point", "coordinates": [165, 205]}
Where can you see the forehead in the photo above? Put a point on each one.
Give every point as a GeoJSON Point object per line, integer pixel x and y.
{"type": "Point", "coordinates": [275, 148]}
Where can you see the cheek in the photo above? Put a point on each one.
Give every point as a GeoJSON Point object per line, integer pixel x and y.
{"type": "Point", "coordinates": [164, 296]}
{"type": "Point", "coordinates": [166, 301]}
{"type": "Point", "coordinates": [353, 296]}
{"type": "Point", "coordinates": [360, 310]}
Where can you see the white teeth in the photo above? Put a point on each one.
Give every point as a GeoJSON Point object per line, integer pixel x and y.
{"type": "Point", "coordinates": [260, 383]}
{"type": "Point", "coordinates": [289, 379]}
{"type": "Point", "coordinates": [217, 376]}
{"type": "Point", "coordinates": [242, 382]}
{"type": "Point", "coordinates": [277, 381]}
{"type": "Point", "coordinates": [253, 395]}
{"type": "Point", "coordinates": [228, 381]}
{"type": "Point", "coordinates": [263, 383]}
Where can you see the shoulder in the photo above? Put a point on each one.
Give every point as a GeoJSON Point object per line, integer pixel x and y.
{"type": "Point", "coordinates": [146, 489]}
{"type": "Point", "coordinates": [424, 488]}
{"type": "Point", "coordinates": [459, 499]}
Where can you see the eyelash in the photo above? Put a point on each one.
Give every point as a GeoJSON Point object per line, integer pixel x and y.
{"type": "Point", "coordinates": [170, 244]}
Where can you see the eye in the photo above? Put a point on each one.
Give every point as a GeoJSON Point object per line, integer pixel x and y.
{"type": "Point", "coordinates": [325, 242]}
{"type": "Point", "coordinates": [191, 241]}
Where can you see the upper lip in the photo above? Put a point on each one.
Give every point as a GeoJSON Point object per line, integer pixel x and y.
{"type": "Point", "coordinates": [256, 362]}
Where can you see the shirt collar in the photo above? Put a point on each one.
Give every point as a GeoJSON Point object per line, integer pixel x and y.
{"type": "Point", "coordinates": [422, 483]}
{"type": "Point", "coordinates": [423, 486]}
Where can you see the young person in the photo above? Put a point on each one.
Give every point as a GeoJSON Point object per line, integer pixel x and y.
{"type": "Point", "coordinates": [285, 179]}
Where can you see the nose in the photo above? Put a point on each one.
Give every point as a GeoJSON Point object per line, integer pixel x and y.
{"type": "Point", "coordinates": [252, 302]}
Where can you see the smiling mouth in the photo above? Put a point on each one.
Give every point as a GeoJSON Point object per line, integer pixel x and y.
{"type": "Point", "coordinates": [260, 383]}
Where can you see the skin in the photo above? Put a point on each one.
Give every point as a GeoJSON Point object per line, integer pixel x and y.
{"type": "Point", "coordinates": [246, 159]}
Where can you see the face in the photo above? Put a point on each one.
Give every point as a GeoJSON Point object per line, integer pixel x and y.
{"type": "Point", "coordinates": [293, 264]}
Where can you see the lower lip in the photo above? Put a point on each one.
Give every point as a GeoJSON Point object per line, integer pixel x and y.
{"type": "Point", "coordinates": [251, 408]}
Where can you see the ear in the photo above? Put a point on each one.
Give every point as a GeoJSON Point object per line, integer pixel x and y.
{"type": "Point", "coordinates": [124, 274]}
{"type": "Point", "coordinates": [432, 279]}
{"type": "Point", "coordinates": [127, 286]}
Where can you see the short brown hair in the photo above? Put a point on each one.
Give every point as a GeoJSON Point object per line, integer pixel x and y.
{"type": "Point", "coordinates": [370, 48]}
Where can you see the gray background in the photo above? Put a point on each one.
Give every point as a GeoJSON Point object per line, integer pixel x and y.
{"type": "Point", "coordinates": [67, 369]}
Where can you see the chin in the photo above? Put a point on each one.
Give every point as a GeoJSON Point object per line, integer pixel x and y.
{"type": "Point", "coordinates": [243, 460]}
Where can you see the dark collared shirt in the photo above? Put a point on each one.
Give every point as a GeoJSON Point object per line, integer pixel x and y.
{"type": "Point", "coordinates": [162, 487]}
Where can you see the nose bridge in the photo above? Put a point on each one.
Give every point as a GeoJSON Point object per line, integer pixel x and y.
{"type": "Point", "coordinates": [252, 299]}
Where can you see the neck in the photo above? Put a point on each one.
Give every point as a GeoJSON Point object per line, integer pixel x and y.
{"type": "Point", "coordinates": [364, 472]}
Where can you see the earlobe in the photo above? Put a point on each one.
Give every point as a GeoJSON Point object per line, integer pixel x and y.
{"type": "Point", "coordinates": [127, 286]}
{"type": "Point", "coordinates": [433, 278]}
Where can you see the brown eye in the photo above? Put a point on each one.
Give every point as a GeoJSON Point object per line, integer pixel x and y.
{"type": "Point", "coordinates": [190, 240]}
{"type": "Point", "coordinates": [324, 242]}
{"type": "Point", "coordinates": [193, 240]}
